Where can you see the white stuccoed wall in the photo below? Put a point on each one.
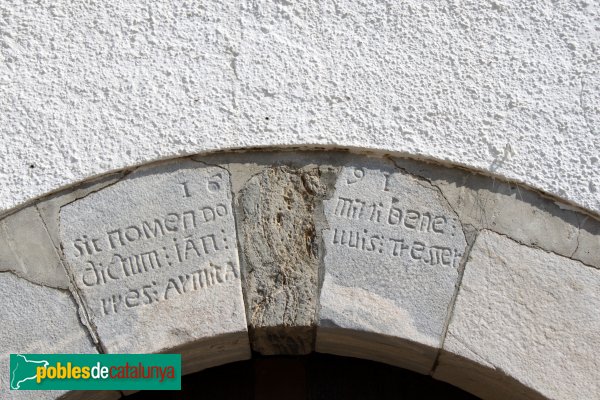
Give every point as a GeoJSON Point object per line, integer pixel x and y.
{"type": "Point", "coordinates": [511, 87]}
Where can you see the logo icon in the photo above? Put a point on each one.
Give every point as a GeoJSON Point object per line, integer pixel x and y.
{"type": "Point", "coordinates": [24, 369]}
{"type": "Point", "coordinates": [95, 371]}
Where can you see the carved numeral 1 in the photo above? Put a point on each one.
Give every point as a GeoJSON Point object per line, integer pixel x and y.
{"type": "Point", "coordinates": [387, 182]}
{"type": "Point", "coordinates": [186, 192]}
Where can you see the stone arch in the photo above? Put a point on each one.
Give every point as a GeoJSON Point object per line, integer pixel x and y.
{"type": "Point", "coordinates": [482, 283]}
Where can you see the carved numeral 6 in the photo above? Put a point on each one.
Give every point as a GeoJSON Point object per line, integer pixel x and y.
{"type": "Point", "coordinates": [214, 183]}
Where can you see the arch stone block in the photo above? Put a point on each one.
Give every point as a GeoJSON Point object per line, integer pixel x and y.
{"type": "Point", "coordinates": [393, 253]}
{"type": "Point", "coordinates": [154, 259]}
{"type": "Point", "coordinates": [280, 212]}
{"type": "Point", "coordinates": [525, 325]}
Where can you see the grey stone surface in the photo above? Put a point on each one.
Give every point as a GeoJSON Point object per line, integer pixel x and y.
{"type": "Point", "coordinates": [510, 209]}
{"type": "Point", "coordinates": [38, 319]}
{"type": "Point", "coordinates": [525, 325]}
{"type": "Point", "coordinates": [49, 207]}
{"type": "Point", "coordinates": [27, 250]}
{"type": "Point", "coordinates": [393, 254]}
{"type": "Point", "coordinates": [154, 258]}
{"type": "Point", "coordinates": [280, 238]}
{"type": "Point", "coordinates": [588, 241]}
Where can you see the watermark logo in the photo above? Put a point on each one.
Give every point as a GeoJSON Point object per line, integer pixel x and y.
{"type": "Point", "coordinates": [95, 372]}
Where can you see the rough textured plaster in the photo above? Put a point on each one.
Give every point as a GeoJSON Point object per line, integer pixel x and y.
{"type": "Point", "coordinates": [511, 87]}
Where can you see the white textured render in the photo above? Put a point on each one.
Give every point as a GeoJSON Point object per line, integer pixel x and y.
{"type": "Point", "coordinates": [508, 87]}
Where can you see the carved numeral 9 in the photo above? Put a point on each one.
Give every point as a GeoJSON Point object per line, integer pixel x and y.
{"type": "Point", "coordinates": [357, 175]}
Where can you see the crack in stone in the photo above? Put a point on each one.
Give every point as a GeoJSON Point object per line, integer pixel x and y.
{"type": "Point", "coordinates": [487, 225]}
{"type": "Point", "coordinates": [579, 225]}
{"type": "Point", "coordinates": [470, 234]}
{"type": "Point", "coordinates": [238, 232]}
{"type": "Point", "coordinates": [83, 313]}
{"type": "Point", "coordinates": [420, 178]}
{"type": "Point", "coordinates": [468, 347]}
{"type": "Point", "coordinates": [321, 225]}
{"type": "Point", "coordinates": [244, 269]}
{"type": "Point", "coordinates": [9, 241]}
{"type": "Point", "coordinates": [125, 175]}
{"type": "Point", "coordinates": [25, 278]}
{"type": "Point", "coordinates": [471, 238]}
{"type": "Point", "coordinates": [539, 248]}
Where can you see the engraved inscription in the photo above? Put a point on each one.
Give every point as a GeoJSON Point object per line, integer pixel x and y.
{"type": "Point", "coordinates": [153, 238]}
{"type": "Point", "coordinates": [176, 286]}
{"type": "Point", "coordinates": [379, 243]}
{"type": "Point", "coordinates": [392, 221]}
{"type": "Point", "coordinates": [422, 221]}
{"type": "Point", "coordinates": [169, 224]}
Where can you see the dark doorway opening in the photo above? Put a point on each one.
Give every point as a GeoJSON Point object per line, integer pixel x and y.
{"type": "Point", "coordinates": [312, 377]}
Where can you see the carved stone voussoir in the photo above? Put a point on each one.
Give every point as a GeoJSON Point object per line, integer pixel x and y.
{"type": "Point", "coordinates": [393, 252]}
{"type": "Point", "coordinates": [155, 260]}
{"type": "Point", "coordinates": [525, 325]}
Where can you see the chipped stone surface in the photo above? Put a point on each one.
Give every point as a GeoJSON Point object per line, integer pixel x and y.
{"type": "Point", "coordinates": [393, 252]}
{"type": "Point", "coordinates": [487, 203]}
{"type": "Point", "coordinates": [154, 258]}
{"type": "Point", "coordinates": [280, 244]}
{"type": "Point", "coordinates": [27, 250]}
{"type": "Point", "coordinates": [49, 208]}
{"type": "Point", "coordinates": [530, 318]}
{"type": "Point", "coordinates": [37, 319]}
